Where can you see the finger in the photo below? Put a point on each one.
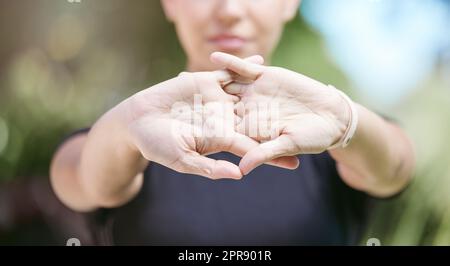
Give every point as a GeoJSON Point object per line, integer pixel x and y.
{"type": "Point", "coordinates": [237, 65]}
{"type": "Point", "coordinates": [183, 73]}
{"type": "Point", "coordinates": [235, 88]}
{"type": "Point", "coordinates": [242, 144]}
{"type": "Point", "coordinates": [210, 168]}
{"type": "Point", "coordinates": [239, 110]}
{"type": "Point", "coordinates": [224, 76]}
{"type": "Point", "coordinates": [288, 162]}
{"type": "Point", "coordinates": [255, 59]}
{"type": "Point", "coordinates": [265, 152]}
{"type": "Point", "coordinates": [237, 120]}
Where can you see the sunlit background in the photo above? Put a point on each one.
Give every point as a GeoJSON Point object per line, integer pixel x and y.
{"type": "Point", "coordinates": [63, 64]}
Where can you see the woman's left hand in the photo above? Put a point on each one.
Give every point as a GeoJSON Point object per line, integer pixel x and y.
{"type": "Point", "coordinates": [295, 114]}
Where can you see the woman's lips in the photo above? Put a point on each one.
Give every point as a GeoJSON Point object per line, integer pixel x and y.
{"type": "Point", "coordinates": [228, 42]}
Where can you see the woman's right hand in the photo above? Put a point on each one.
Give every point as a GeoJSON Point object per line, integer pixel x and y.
{"type": "Point", "coordinates": [179, 121]}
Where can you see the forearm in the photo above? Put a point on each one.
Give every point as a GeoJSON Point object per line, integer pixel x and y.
{"type": "Point", "coordinates": [63, 174]}
{"type": "Point", "coordinates": [379, 159]}
{"type": "Point", "coordinates": [110, 164]}
{"type": "Point", "coordinates": [100, 169]}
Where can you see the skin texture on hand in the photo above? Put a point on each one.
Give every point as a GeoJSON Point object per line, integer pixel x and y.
{"type": "Point", "coordinates": [161, 125]}
{"type": "Point", "coordinates": [309, 117]}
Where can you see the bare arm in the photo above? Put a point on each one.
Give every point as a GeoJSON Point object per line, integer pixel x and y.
{"type": "Point", "coordinates": [98, 169]}
{"type": "Point", "coordinates": [379, 160]}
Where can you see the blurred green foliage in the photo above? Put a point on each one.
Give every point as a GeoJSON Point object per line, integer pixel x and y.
{"type": "Point", "coordinates": [62, 65]}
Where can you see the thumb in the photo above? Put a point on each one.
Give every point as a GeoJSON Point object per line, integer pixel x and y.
{"type": "Point", "coordinates": [240, 66]}
{"type": "Point", "coordinates": [241, 144]}
{"type": "Point", "coordinates": [266, 152]}
{"type": "Point", "coordinates": [224, 76]}
{"type": "Point", "coordinates": [194, 163]}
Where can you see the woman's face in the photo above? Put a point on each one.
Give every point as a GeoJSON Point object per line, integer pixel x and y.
{"type": "Point", "coordinates": [239, 27]}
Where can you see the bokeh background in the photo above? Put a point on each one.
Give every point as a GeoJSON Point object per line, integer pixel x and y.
{"type": "Point", "coordinates": [63, 64]}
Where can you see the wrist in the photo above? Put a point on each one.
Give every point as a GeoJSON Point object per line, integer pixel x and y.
{"type": "Point", "coordinates": [117, 123]}
{"type": "Point", "coordinates": [347, 117]}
